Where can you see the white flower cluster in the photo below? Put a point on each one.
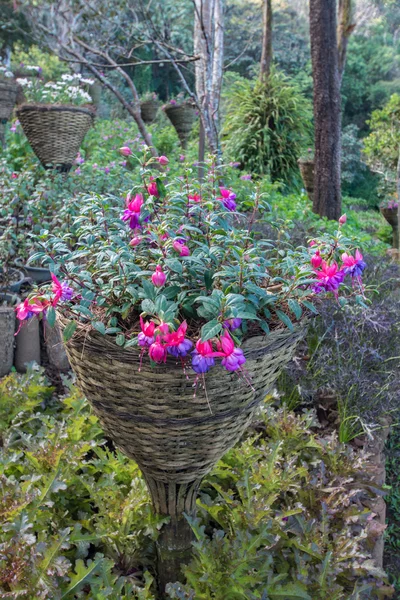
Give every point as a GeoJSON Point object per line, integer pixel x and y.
{"type": "Point", "coordinates": [5, 72]}
{"type": "Point", "coordinates": [68, 90]}
{"type": "Point", "coordinates": [24, 82]}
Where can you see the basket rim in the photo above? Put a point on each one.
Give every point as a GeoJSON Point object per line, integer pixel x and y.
{"type": "Point", "coordinates": [33, 107]}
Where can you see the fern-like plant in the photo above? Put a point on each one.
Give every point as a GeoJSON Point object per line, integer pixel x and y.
{"type": "Point", "coordinates": [267, 125]}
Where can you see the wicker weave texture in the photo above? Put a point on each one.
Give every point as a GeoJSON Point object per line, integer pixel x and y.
{"type": "Point", "coordinates": [391, 215]}
{"type": "Point", "coordinates": [148, 110]}
{"type": "Point", "coordinates": [307, 173]}
{"type": "Point", "coordinates": [182, 118]}
{"type": "Point", "coordinates": [8, 97]}
{"type": "Point", "coordinates": [157, 416]}
{"type": "Point", "coordinates": [55, 132]}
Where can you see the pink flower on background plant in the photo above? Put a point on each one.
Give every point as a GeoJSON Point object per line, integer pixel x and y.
{"type": "Point", "coordinates": [163, 160]}
{"type": "Point", "coordinates": [181, 157]}
{"type": "Point", "coordinates": [181, 248]}
{"type": "Point", "coordinates": [316, 260]}
{"type": "Point", "coordinates": [152, 188]}
{"type": "Point", "coordinates": [14, 175]}
{"type": "Point", "coordinates": [135, 241]}
{"type": "Point", "coordinates": [157, 351]}
{"type": "Point", "coordinates": [30, 307]}
{"type": "Point", "coordinates": [234, 165]}
{"type": "Point", "coordinates": [132, 211]}
{"type": "Point", "coordinates": [158, 278]}
{"type": "Point", "coordinates": [228, 199]}
{"type": "Point", "coordinates": [146, 336]}
{"type": "Point", "coordinates": [343, 219]}
{"type": "Point", "coordinates": [329, 278]}
{"type": "Point", "coordinates": [353, 265]}
{"type": "Point", "coordinates": [195, 197]}
{"type": "Point", "coordinates": [125, 151]}
{"type": "Point", "coordinates": [233, 357]}
{"type": "Point", "coordinates": [246, 177]}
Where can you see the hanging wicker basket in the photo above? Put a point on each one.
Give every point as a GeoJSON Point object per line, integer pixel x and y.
{"type": "Point", "coordinates": [155, 417]}
{"type": "Point", "coordinates": [307, 174]}
{"type": "Point", "coordinates": [148, 110]}
{"type": "Point", "coordinates": [8, 98]}
{"type": "Point", "coordinates": [55, 132]}
{"type": "Point", "coordinates": [182, 117]}
{"type": "Point", "coordinates": [392, 217]}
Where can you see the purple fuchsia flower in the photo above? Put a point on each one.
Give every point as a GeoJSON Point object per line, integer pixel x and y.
{"type": "Point", "coordinates": [202, 357]}
{"type": "Point", "coordinates": [61, 291]}
{"type": "Point", "coordinates": [353, 266]}
{"type": "Point", "coordinates": [246, 177]}
{"type": "Point", "coordinates": [132, 211]}
{"type": "Point", "coordinates": [106, 170]}
{"type": "Point", "coordinates": [176, 343]}
{"type": "Point", "coordinates": [329, 278]}
{"type": "Point", "coordinates": [233, 357]}
{"type": "Point", "coordinates": [232, 324]}
{"type": "Point", "coordinates": [234, 165]}
{"type": "Point", "coordinates": [228, 199]}
{"type": "Point", "coordinates": [78, 171]}
{"type": "Point", "coordinates": [181, 248]}
{"type": "Point", "coordinates": [79, 159]}
{"type": "Point", "coordinates": [146, 336]}
{"type": "Point", "coordinates": [181, 157]}
{"type": "Point", "coordinates": [30, 307]}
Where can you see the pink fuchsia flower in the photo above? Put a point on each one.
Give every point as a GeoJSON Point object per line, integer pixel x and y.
{"type": "Point", "coordinates": [181, 157]}
{"type": "Point", "coordinates": [316, 260]}
{"type": "Point", "coordinates": [163, 160]}
{"type": "Point", "coordinates": [177, 344]}
{"type": "Point", "coordinates": [61, 291]}
{"type": "Point", "coordinates": [14, 175]}
{"type": "Point", "coordinates": [232, 324]}
{"type": "Point", "coordinates": [173, 102]}
{"type": "Point", "coordinates": [163, 328]}
{"type": "Point", "coordinates": [353, 265]}
{"type": "Point", "coordinates": [312, 243]}
{"type": "Point", "coordinates": [181, 248]}
{"type": "Point", "coordinates": [228, 199]}
{"type": "Point", "coordinates": [234, 165]}
{"type": "Point", "coordinates": [106, 170]}
{"type": "Point", "coordinates": [135, 241]}
{"type": "Point", "coordinates": [203, 357]}
{"type": "Point", "coordinates": [246, 177]}
{"type": "Point", "coordinates": [343, 219]}
{"type": "Point", "coordinates": [132, 211]}
{"type": "Point", "coordinates": [195, 197]}
{"type": "Point", "coordinates": [77, 171]}
{"type": "Point", "coordinates": [125, 151]}
{"type": "Point", "coordinates": [79, 159]}
{"type": "Point", "coordinates": [94, 166]}
{"type": "Point", "coordinates": [157, 351]}
{"type": "Point", "coordinates": [329, 278]}
{"type": "Point", "coordinates": [146, 336]}
{"type": "Point", "coordinates": [158, 278]}
{"type": "Point", "coordinates": [152, 188]}
{"type": "Point", "coordinates": [233, 357]}
{"type": "Point", "coordinates": [30, 307]}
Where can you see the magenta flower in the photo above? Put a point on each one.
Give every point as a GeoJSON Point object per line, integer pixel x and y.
{"type": "Point", "coordinates": [158, 278]}
{"type": "Point", "coordinates": [228, 199]}
{"type": "Point", "coordinates": [181, 157]}
{"type": "Point", "coordinates": [343, 219]}
{"type": "Point", "coordinates": [329, 278]}
{"type": "Point", "coordinates": [233, 357]}
{"type": "Point", "coordinates": [163, 160]}
{"type": "Point", "coordinates": [353, 266]}
{"type": "Point", "coordinates": [30, 307]}
{"type": "Point", "coordinates": [146, 336]}
{"type": "Point", "coordinates": [61, 291]}
{"type": "Point", "coordinates": [125, 151]}
{"type": "Point", "coordinates": [232, 324]}
{"type": "Point", "coordinates": [203, 357]}
{"type": "Point", "coordinates": [157, 351]}
{"type": "Point", "coordinates": [246, 177]}
{"type": "Point", "coordinates": [132, 211]}
{"type": "Point", "coordinates": [195, 197]}
{"type": "Point", "coordinates": [135, 241]}
{"type": "Point", "coordinates": [152, 189]}
{"type": "Point", "coordinates": [181, 248]}
{"type": "Point", "coordinates": [14, 175]}
{"type": "Point", "coordinates": [234, 165]}
{"type": "Point", "coordinates": [316, 260]}
{"type": "Point", "coordinates": [177, 344]}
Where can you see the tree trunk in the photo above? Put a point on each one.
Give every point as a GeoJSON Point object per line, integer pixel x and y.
{"type": "Point", "coordinates": [345, 28]}
{"type": "Point", "coordinates": [209, 46]}
{"type": "Point", "coordinates": [327, 116]}
{"type": "Point", "coordinates": [266, 52]}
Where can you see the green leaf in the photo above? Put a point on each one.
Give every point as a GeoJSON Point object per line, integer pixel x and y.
{"type": "Point", "coordinates": [69, 330]}
{"type": "Point", "coordinates": [82, 575]}
{"type": "Point", "coordinates": [208, 279]}
{"type": "Point", "coordinates": [120, 339]}
{"type": "Point", "coordinates": [99, 326]}
{"type": "Point", "coordinates": [148, 306]}
{"type": "Point", "coordinates": [210, 330]}
{"type": "Point", "coordinates": [310, 306]}
{"type": "Point", "coordinates": [174, 265]}
{"type": "Point", "coordinates": [295, 308]}
{"type": "Point", "coordinates": [285, 319]}
{"type": "Point", "coordinates": [51, 316]}
{"type": "Point", "coordinates": [291, 591]}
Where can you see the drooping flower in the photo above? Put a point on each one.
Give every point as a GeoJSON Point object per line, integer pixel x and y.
{"type": "Point", "coordinates": [30, 307]}
{"type": "Point", "coordinates": [125, 151]}
{"type": "Point", "coordinates": [181, 157]}
{"type": "Point", "coordinates": [152, 188]}
{"type": "Point", "coordinates": [353, 265]}
{"type": "Point", "coordinates": [132, 211]}
{"type": "Point", "coordinates": [177, 344]}
{"type": "Point", "coordinates": [135, 241]}
{"type": "Point", "coordinates": [234, 165]}
{"type": "Point", "coordinates": [246, 177]}
{"type": "Point", "coordinates": [227, 198]}
{"type": "Point", "coordinates": [343, 219]}
{"type": "Point", "coordinates": [329, 278]}
{"type": "Point", "coordinates": [163, 160]}
{"type": "Point", "coordinates": [61, 291]}
{"type": "Point", "coordinates": [202, 357]}
{"type": "Point", "coordinates": [14, 175]}
{"type": "Point", "coordinates": [195, 197]}
{"type": "Point", "coordinates": [233, 357]}
{"type": "Point", "coordinates": [146, 336]}
{"type": "Point", "coordinates": [181, 248]}
{"type": "Point", "coordinates": [158, 278]}
{"type": "Point", "coordinates": [316, 260]}
{"type": "Point", "coordinates": [232, 324]}
{"type": "Point", "coordinates": [157, 351]}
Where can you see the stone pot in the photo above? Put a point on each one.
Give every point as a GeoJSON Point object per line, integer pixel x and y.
{"type": "Point", "coordinates": [7, 330]}
{"type": "Point", "coordinates": [15, 279]}
{"type": "Point", "coordinates": [27, 345]}
{"type": "Point", "coordinates": [37, 274]}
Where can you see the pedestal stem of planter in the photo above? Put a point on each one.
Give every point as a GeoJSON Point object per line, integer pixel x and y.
{"type": "Point", "coordinates": [174, 546]}
{"type": "Point", "coordinates": [396, 239]}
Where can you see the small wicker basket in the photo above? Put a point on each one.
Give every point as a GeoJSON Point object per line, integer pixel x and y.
{"type": "Point", "coordinates": [155, 417]}
{"type": "Point", "coordinates": [182, 117]}
{"type": "Point", "coordinates": [307, 173]}
{"type": "Point", "coordinates": [148, 110]}
{"type": "Point", "coordinates": [55, 132]}
{"type": "Point", "coordinates": [8, 98]}
{"type": "Point", "coordinates": [392, 217]}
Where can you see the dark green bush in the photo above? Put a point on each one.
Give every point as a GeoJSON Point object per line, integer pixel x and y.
{"type": "Point", "coordinates": [267, 126]}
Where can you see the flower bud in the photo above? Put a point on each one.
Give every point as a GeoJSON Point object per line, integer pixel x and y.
{"type": "Point", "coordinates": [163, 160]}
{"type": "Point", "coordinates": [158, 278]}
{"type": "Point", "coordinates": [157, 352]}
{"type": "Point", "coordinates": [125, 151]}
{"type": "Point", "coordinates": [316, 260]}
{"type": "Point", "coordinates": [343, 219]}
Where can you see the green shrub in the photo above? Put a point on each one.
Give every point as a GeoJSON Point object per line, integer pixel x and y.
{"type": "Point", "coordinates": [267, 126]}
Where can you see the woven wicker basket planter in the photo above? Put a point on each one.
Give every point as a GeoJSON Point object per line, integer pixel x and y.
{"type": "Point", "coordinates": [307, 174]}
{"type": "Point", "coordinates": [392, 217]}
{"type": "Point", "coordinates": [182, 117]}
{"type": "Point", "coordinates": [155, 418]}
{"type": "Point", "coordinates": [148, 110]}
{"type": "Point", "coordinates": [55, 132]}
{"type": "Point", "coordinates": [8, 98]}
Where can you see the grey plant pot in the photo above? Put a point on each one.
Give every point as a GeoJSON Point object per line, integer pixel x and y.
{"type": "Point", "coordinates": [37, 274]}
{"type": "Point", "coordinates": [7, 330]}
{"type": "Point", "coordinates": [15, 286]}
{"type": "Point", "coordinates": [27, 345]}
{"type": "Point", "coordinates": [55, 348]}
